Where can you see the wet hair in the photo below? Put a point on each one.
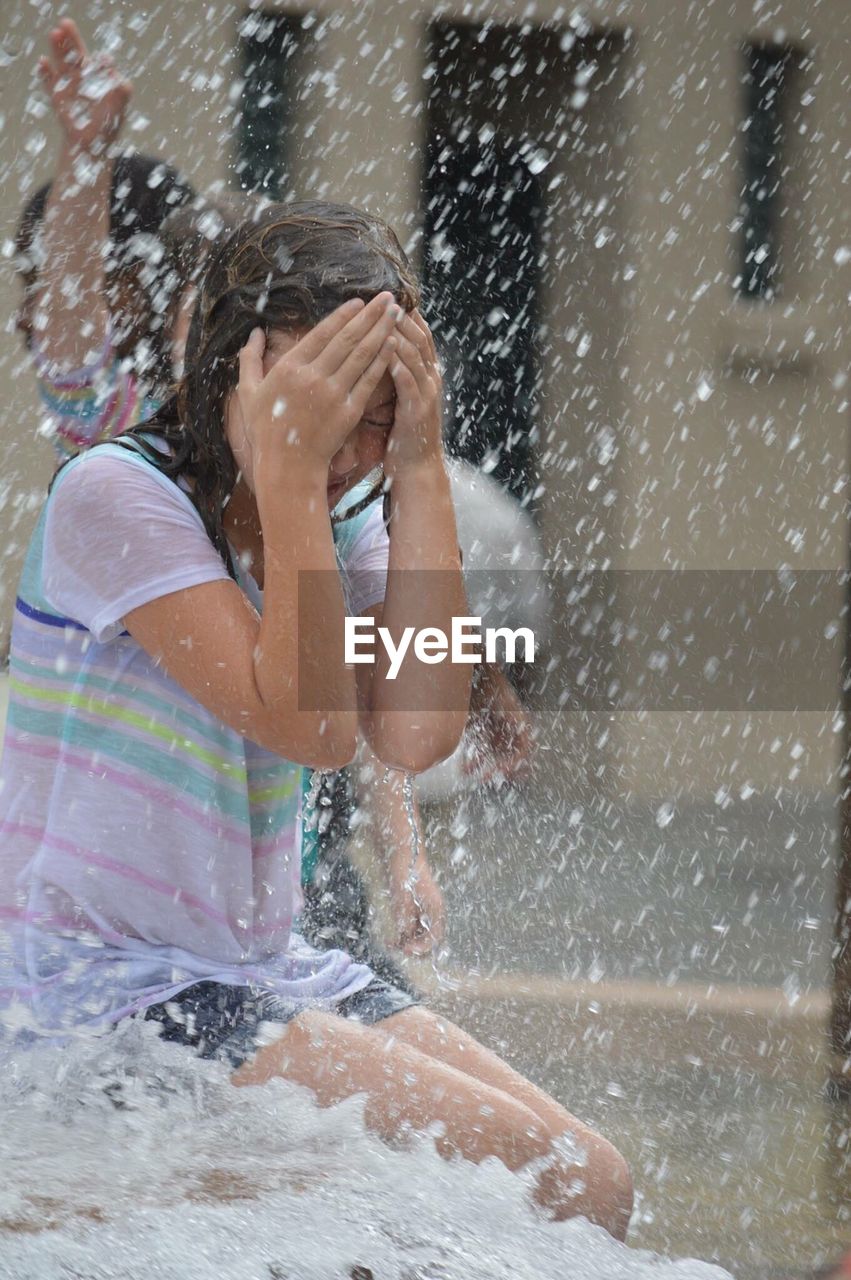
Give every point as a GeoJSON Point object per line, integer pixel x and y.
{"type": "Point", "coordinates": [189, 232]}
{"type": "Point", "coordinates": [283, 268]}
{"type": "Point", "coordinates": [145, 192]}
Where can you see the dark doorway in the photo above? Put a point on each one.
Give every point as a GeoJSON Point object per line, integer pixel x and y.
{"type": "Point", "coordinates": [481, 279]}
{"type": "Point", "coordinates": [270, 45]}
{"type": "Point", "coordinates": [484, 209]}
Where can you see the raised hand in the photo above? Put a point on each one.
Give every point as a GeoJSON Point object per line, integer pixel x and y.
{"type": "Point", "coordinates": [315, 393]}
{"type": "Point", "coordinates": [88, 95]}
{"type": "Point", "coordinates": [417, 429]}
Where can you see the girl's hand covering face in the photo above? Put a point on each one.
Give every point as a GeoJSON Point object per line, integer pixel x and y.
{"type": "Point", "coordinates": [88, 96]}
{"type": "Point", "coordinates": [315, 394]}
{"type": "Point", "coordinates": [417, 435]}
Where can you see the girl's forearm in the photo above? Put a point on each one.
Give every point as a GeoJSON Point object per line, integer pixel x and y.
{"type": "Point", "coordinates": [74, 235]}
{"type": "Point", "coordinates": [424, 589]}
{"type": "Point", "coordinates": [380, 793]}
{"type": "Point", "coordinates": [299, 660]}
{"type": "Point", "coordinates": [386, 803]}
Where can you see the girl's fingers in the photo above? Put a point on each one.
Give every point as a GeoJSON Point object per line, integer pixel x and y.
{"type": "Point", "coordinates": [412, 358]}
{"type": "Point", "coordinates": [420, 338]}
{"type": "Point", "coordinates": [378, 314]}
{"type": "Point", "coordinates": [56, 62]}
{"type": "Point", "coordinates": [417, 334]}
{"type": "Point", "coordinates": [419, 321]}
{"type": "Point", "coordinates": [407, 400]}
{"type": "Point", "coordinates": [316, 340]}
{"type": "Point", "coordinates": [68, 43]}
{"type": "Point", "coordinates": [371, 376]}
{"type": "Point", "coordinates": [47, 73]}
{"type": "Point", "coordinates": [426, 345]}
{"type": "Point", "coordinates": [251, 361]}
{"type": "Point", "coordinates": [364, 351]}
{"type": "Point", "coordinates": [404, 382]}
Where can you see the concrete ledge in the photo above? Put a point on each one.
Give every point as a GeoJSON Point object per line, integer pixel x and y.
{"type": "Point", "coordinates": [725, 1028]}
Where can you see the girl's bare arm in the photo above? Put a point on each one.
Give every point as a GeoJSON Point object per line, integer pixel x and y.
{"type": "Point", "coordinates": [417, 906]}
{"type": "Point", "coordinates": [417, 719]}
{"type": "Point", "coordinates": [89, 100]}
{"type": "Point", "coordinates": [243, 668]}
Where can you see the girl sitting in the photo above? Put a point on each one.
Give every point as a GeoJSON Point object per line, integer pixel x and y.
{"type": "Point", "coordinates": [177, 657]}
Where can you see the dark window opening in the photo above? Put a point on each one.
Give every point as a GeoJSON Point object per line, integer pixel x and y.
{"type": "Point", "coordinates": [769, 70]}
{"type": "Point", "coordinates": [481, 270]}
{"type": "Point", "coordinates": [269, 44]}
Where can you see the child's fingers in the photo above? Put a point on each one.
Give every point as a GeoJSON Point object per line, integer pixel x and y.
{"type": "Point", "coordinates": [361, 356]}
{"type": "Point", "coordinates": [56, 61]}
{"type": "Point", "coordinates": [71, 32]}
{"type": "Point", "coordinates": [120, 90]}
{"type": "Point", "coordinates": [417, 332]}
{"type": "Point", "coordinates": [404, 382]}
{"type": "Point", "coordinates": [374, 322]}
{"type": "Point", "coordinates": [68, 43]}
{"type": "Point", "coordinates": [419, 320]}
{"type": "Point", "coordinates": [251, 361]}
{"type": "Point", "coordinates": [47, 74]}
{"type": "Point", "coordinates": [315, 342]}
{"type": "Point", "coordinates": [371, 376]}
{"type": "Point", "coordinates": [412, 358]}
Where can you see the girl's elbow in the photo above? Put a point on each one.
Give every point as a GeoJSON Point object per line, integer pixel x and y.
{"type": "Point", "coordinates": [417, 751]}
{"type": "Point", "coordinates": [330, 744]}
{"type": "Point", "coordinates": [335, 748]}
{"type": "Point", "coordinates": [332, 758]}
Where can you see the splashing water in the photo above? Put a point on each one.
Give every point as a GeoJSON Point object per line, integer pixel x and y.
{"type": "Point", "coordinates": [410, 813]}
{"type": "Point", "coordinates": [409, 803]}
{"type": "Point", "coordinates": [126, 1158]}
{"type": "Point", "coordinates": [311, 803]}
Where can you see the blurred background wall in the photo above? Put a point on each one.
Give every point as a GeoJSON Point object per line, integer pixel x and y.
{"type": "Point", "coordinates": [632, 220]}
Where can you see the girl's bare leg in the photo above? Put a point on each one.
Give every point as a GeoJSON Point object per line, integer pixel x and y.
{"type": "Point", "coordinates": [608, 1195]}
{"type": "Point", "coordinates": [407, 1089]}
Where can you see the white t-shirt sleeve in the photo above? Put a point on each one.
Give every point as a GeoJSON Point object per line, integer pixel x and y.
{"type": "Point", "coordinates": [365, 565]}
{"type": "Point", "coordinates": [118, 535]}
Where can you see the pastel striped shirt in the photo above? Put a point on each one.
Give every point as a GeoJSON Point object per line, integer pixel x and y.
{"type": "Point", "coordinates": [92, 404]}
{"type": "Point", "coordinates": [145, 845]}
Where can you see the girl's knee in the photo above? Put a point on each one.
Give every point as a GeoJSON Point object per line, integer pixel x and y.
{"type": "Point", "coordinates": [613, 1177]}
{"type": "Point", "coordinates": [595, 1183]}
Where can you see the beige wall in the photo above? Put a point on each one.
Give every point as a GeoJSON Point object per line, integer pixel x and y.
{"type": "Point", "coordinates": [752, 476]}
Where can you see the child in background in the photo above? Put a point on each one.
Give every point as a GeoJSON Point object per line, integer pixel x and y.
{"type": "Point", "coordinates": [100, 298]}
{"type": "Point", "coordinates": [149, 848]}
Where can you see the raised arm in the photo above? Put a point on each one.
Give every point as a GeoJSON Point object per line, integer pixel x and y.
{"type": "Point", "coordinates": [89, 100]}
{"type": "Point", "coordinates": [245, 669]}
{"type": "Point", "coordinates": [423, 537]}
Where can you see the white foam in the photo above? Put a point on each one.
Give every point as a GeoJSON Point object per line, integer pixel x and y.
{"type": "Point", "coordinates": [126, 1158]}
